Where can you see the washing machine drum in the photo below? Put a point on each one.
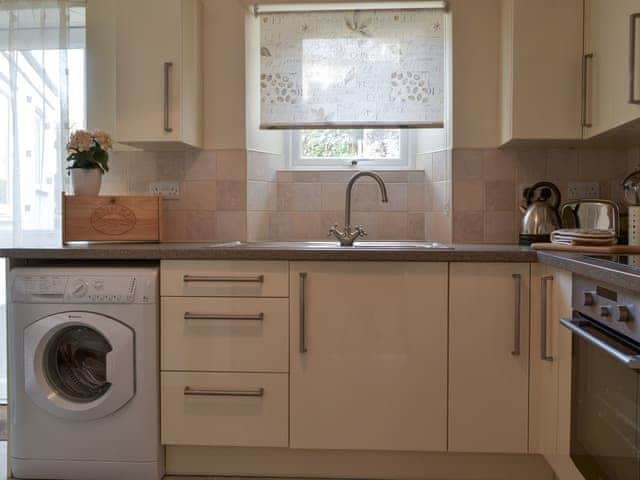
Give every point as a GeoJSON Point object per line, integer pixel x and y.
{"type": "Point", "coordinates": [79, 365]}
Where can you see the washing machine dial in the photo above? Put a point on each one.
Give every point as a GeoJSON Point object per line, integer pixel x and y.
{"type": "Point", "coordinates": [79, 288]}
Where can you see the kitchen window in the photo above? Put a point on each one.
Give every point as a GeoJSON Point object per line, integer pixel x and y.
{"type": "Point", "coordinates": [352, 82]}
{"type": "Point", "coordinates": [351, 148]}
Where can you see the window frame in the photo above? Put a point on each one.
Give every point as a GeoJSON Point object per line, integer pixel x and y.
{"type": "Point", "coordinates": [406, 161]}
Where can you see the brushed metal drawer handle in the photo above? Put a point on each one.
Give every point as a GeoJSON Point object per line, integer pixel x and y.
{"type": "Point", "coordinates": [221, 279]}
{"type": "Point", "coordinates": [166, 112]}
{"type": "Point", "coordinates": [205, 392]}
{"type": "Point", "coordinates": [544, 304]}
{"type": "Point", "coordinates": [517, 281]}
{"type": "Point", "coordinates": [224, 316]}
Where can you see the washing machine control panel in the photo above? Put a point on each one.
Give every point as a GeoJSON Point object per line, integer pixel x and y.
{"type": "Point", "coordinates": [114, 289]}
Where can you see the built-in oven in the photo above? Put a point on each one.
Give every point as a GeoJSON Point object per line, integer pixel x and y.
{"type": "Point", "coordinates": [605, 390]}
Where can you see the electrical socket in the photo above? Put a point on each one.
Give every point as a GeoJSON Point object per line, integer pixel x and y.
{"type": "Point", "coordinates": [583, 190]}
{"type": "Point", "coordinates": [169, 190]}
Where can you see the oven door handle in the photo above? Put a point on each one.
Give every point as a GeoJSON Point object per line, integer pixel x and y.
{"type": "Point", "coordinates": [631, 361]}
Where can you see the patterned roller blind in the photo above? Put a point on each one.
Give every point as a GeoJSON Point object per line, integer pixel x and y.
{"type": "Point", "coordinates": [358, 69]}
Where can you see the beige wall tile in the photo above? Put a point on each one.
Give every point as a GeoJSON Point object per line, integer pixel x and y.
{"type": "Point", "coordinates": [200, 226]}
{"type": "Point", "coordinates": [201, 165]}
{"type": "Point", "coordinates": [499, 227]}
{"type": "Point", "coordinates": [263, 166]}
{"type": "Point", "coordinates": [416, 201]}
{"type": "Point", "coordinates": [500, 195]}
{"type": "Point", "coordinates": [438, 227]}
{"type": "Point", "coordinates": [333, 196]}
{"type": "Point", "coordinates": [174, 228]}
{"type": "Point", "coordinates": [467, 164]}
{"type": "Point", "coordinates": [441, 166]}
{"type": "Point", "coordinates": [258, 226]}
{"type": "Point", "coordinates": [199, 195]}
{"type": "Point", "coordinates": [562, 164]}
{"type": "Point", "coordinates": [231, 226]}
{"type": "Point", "coordinates": [532, 165]}
{"type": "Point", "coordinates": [366, 197]}
{"type": "Point", "coordinates": [468, 195]}
{"type": "Point", "coordinates": [231, 195]}
{"type": "Point", "coordinates": [231, 165]}
{"type": "Point", "coordinates": [441, 197]}
{"type": "Point", "coordinates": [262, 196]}
{"type": "Point", "coordinates": [299, 197]}
{"type": "Point", "coordinates": [602, 164]}
{"type": "Point", "coordinates": [499, 164]}
{"type": "Point", "coordinates": [468, 227]}
{"type": "Point", "coordinates": [415, 226]}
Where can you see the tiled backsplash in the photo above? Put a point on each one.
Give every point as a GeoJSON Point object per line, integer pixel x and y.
{"type": "Point", "coordinates": [470, 198]}
{"type": "Point", "coordinates": [213, 190]}
{"type": "Point", "coordinates": [488, 184]}
{"type": "Point", "coordinates": [302, 205]}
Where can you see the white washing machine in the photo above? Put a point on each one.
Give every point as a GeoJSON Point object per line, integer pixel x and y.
{"type": "Point", "coordinates": [83, 381]}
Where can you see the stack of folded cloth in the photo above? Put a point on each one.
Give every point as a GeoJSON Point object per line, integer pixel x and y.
{"type": "Point", "coordinates": [584, 237]}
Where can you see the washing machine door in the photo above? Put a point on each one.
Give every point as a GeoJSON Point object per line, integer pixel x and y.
{"type": "Point", "coordinates": [79, 365]}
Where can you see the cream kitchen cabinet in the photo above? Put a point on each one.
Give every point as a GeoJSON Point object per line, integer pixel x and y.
{"type": "Point", "coordinates": [550, 361]}
{"type": "Point", "coordinates": [158, 73]}
{"type": "Point", "coordinates": [608, 41]}
{"type": "Point", "coordinates": [488, 357]}
{"type": "Point", "coordinates": [368, 348]}
{"type": "Point", "coordinates": [541, 70]}
{"type": "Point", "coordinates": [224, 349]}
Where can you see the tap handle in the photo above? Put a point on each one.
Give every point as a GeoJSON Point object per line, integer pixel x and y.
{"type": "Point", "coordinates": [361, 231]}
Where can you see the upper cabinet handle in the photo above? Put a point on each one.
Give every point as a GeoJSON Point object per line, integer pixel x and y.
{"type": "Point", "coordinates": [633, 39]}
{"type": "Point", "coordinates": [167, 74]}
{"type": "Point", "coordinates": [585, 90]}
{"type": "Point", "coordinates": [517, 281]}
{"type": "Point", "coordinates": [223, 278]}
{"type": "Point", "coordinates": [544, 297]}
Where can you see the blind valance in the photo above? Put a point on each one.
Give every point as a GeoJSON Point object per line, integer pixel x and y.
{"type": "Point", "coordinates": [352, 69]}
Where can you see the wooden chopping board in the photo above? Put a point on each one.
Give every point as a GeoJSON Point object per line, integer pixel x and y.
{"type": "Point", "coordinates": [610, 249]}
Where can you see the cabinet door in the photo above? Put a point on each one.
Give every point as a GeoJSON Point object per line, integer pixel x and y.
{"type": "Point", "coordinates": [149, 35]}
{"type": "Point", "coordinates": [607, 38]}
{"type": "Point", "coordinates": [488, 357]}
{"type": "Point", "coordinates": [550, 300]}
{"type": "Point", "coordinates": [368, 356]}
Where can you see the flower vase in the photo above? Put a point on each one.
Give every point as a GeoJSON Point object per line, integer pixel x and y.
{"type": "Point", "coordinates": [86, 181]}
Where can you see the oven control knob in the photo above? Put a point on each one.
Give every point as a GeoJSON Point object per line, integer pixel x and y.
{"type": "Point", "coordinates": [624, 314]}
{"type": "Point", "coordinates": [589, 299]}
{"type": "Point", "coordinates": [605, 311]}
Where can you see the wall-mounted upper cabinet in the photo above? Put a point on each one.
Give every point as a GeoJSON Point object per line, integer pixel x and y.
{"type": "Point", "coordinates": [612, 68]}
{"type": "Point", "coordinates": [541, 71]}
{"type": "Point", "coordinates": [156, 85]}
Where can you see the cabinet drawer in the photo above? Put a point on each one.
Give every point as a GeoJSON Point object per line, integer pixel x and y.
{"type": "Point", "coordinates": [224, 278]}
{"type": "Point", "coordinates": [225, 334]}
{"type": "Point", "coordinates": [225, 409]}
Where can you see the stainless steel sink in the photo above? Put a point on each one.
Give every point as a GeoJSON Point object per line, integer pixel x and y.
{"type": "Point", "coordinates": [391, 245]}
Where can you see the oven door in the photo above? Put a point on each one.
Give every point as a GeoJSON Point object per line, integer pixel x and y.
{"type": "Point", "coordinates": [605, 426]}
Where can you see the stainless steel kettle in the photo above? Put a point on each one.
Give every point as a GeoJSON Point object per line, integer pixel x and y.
{"type": "Point", "coordinates": [541, 216]}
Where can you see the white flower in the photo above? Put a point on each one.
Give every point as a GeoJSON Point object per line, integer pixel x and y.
{"type": "Point", "coordinates": [80, 141]}
{"type": "Point", "coordinates": [103, 139]}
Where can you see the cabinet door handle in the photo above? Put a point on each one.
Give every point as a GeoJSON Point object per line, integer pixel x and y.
{"type": "Point", "coordinates": [517, 282]}
{"type": "Point", "coordinates": [223, 278]}
{"type": "Point", "coordinates": [544, 283]}
{"type": "Point", "coordinates": [167, 74]}
{"type": "Point", "coordinates": [303, 322]}
{"type": "Point", "coordinates": [206, 392]}
{"type": "Point", "coordinates": [223, 316]}
{"type": "Point", "coordinates": [633, 38]}
{"type": "Point", "coordinates": [585, 73]}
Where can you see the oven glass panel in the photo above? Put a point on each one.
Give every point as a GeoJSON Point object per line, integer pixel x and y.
{"type": "Point", "coordinates": [604, 411]}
